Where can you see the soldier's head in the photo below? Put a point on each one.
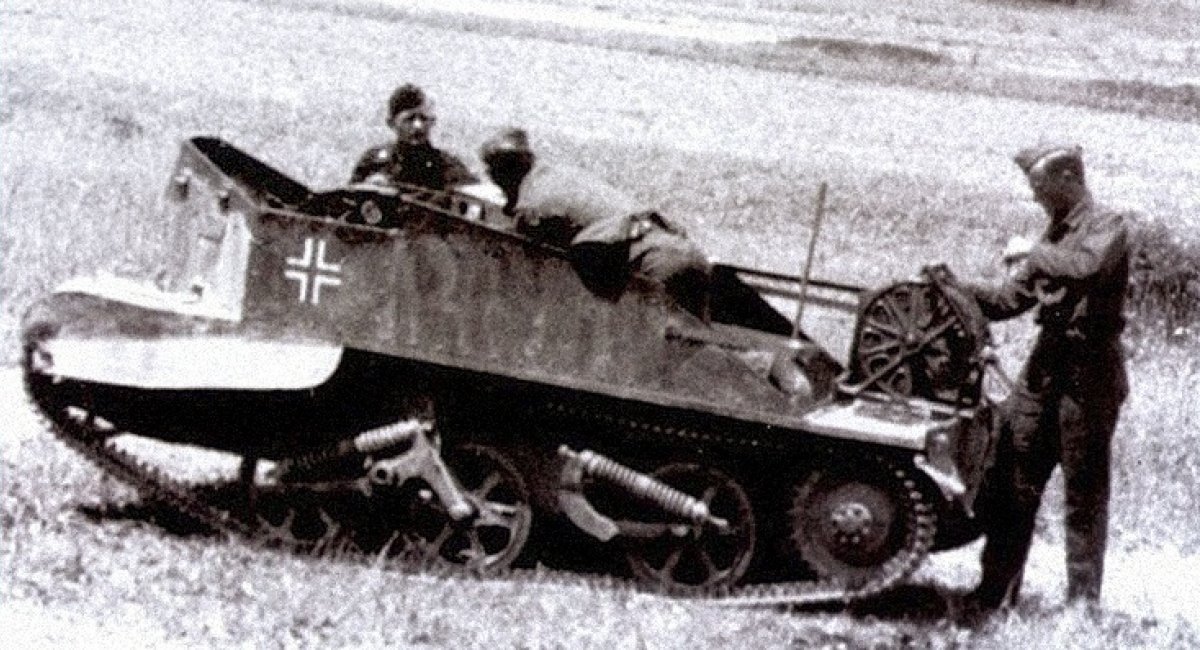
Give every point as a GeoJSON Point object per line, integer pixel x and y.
{"type": "Point", "coordinates": [410, 114]}
{"type": "Point", "coordinates": [1055, 174]}
{"type": "Point", "coordinates": [508, 158]}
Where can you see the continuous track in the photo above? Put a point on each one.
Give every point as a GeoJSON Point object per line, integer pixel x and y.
{"type": "Point", "coordinates": [83, 429]}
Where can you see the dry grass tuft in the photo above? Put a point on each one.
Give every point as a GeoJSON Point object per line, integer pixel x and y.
{"type": "Point", "coordinates": [1033, 625]}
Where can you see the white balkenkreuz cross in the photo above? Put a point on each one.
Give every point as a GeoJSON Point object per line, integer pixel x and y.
{"type": "Point", "coordinates": [311, 270]}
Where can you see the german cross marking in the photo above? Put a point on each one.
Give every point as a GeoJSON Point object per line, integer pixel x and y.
{"type": "Point", "coordinates": [310, 270]}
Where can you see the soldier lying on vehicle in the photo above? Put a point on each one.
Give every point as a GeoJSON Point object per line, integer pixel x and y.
{"type": "Point", "coordinates": [607, 232]}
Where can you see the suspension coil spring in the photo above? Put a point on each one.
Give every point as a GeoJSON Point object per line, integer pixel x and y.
{"type": "Point", "coordinates": [641, 485]}
{"type": "Point", "coordinates": [376, 440]}
{"type": "Point", "coordinates": [367, 442]}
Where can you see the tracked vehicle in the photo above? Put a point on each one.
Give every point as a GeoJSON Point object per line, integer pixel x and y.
{"type": "Point", "coordinates": [396, 373]}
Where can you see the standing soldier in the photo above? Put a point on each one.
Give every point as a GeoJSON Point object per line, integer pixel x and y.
{"type": "Point", "coordinates": [411, 159]}
{"type": "Point", "coordinates": [1065, 405]}
{"type": "Point", "coordinates": [607, 231]}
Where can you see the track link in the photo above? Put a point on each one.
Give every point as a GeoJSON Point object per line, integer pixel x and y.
{"type": "Point", "coordinates": [81, 433]}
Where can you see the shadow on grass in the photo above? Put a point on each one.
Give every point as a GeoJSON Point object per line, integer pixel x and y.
{"type": "Point", "coordinates": [156, 513]}
{"type": "Point", "coordinates": [917, 603]}
{"type": "Point", "coordinates": [907, 603]}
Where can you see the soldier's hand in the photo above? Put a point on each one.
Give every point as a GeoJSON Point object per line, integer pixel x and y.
{"type": "Point", "coordinates": [1016, 268]}
{"type": "Point", "coordinates": [939, 271]}
{"type": "Point", "coordinates": [1016, 256]}
{"type": "Point", "coordinates": [1049, 293]}
{"type": "Point", "coordinates": [638, 226]}
{"type": "Point", "coordinates": [1017, 249]}
{"type": "Point", "coordinates": [378, 178]}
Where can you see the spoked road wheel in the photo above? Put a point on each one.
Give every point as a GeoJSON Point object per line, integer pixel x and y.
{"type": "Point", "coordinates": [492, 537]}
{"type": "Point", "coordinates": [689, 557]}
{"type": "Point", "coordinates": [856, 525]}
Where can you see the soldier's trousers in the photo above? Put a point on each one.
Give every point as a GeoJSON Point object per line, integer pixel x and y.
{"type": "Point", "coordinates": [678, 264]}
{"type": "Point", "coordinates": [1074, 428]}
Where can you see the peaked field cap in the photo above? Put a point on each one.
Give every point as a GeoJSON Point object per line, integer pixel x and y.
{"type": "Point", "coordinates": [507, 140]}
{"type": "Point", "coordinates": [405, 98]}
{"type": "Point", "coordinates": [1030, 156]}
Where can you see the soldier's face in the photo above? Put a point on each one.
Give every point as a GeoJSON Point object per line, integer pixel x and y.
{"type": "Point", "coordinates": [413, 126]}
{"type": "Point", "coordinates": [1052, 190]}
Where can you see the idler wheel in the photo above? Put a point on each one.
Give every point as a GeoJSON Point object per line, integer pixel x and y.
{"type": "Point", "coordinates": [496, 531]}
{"type": "Point", "coordinates": [848, 523]}
{"type": "Point", "coordinates": [690, 557]}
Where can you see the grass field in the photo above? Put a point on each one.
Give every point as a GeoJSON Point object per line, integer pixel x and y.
{"type": "Point", "coordinates": [94, 98]}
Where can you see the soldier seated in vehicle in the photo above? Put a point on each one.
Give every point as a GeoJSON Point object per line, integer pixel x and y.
{"type": "Point", "coordinates": [607, 232]}
{"type": "Point", "coordinates": [411, 159]}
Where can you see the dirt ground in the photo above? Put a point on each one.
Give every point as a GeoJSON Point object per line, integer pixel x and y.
{"type": "Point", "coordinates": [1099, 39]}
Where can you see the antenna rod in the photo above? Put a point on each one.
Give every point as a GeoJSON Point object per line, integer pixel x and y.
{"type": "Point", "coordinates": [812, 246]}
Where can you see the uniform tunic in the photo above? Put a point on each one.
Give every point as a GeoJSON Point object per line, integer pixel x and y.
{"type": "Point", "coordinates": [407, 164]}
{"type": "Point", "coordinates": [610, 233]}
{"type": "Point", "coordinates": [557, 204]}
{"type": "Point", "coordinates": [1065, 406]}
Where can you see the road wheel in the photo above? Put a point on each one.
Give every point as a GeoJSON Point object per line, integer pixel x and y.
{"type": "Point", "coordinates": [492, 537]}
{"type": "Point", "coordinates": [690, 557]}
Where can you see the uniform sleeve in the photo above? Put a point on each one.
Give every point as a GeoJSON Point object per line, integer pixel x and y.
{"type": "Point", "coordinates": [455, 172]}
{"type": "Point", "coordinates": [373, 160]}
{"type": "Point", "coordinates": [550, 228]}
{"type": "Point", "coordinates": [1104, 242]}
{"type": "Point", "coordinates": [1011, 298]}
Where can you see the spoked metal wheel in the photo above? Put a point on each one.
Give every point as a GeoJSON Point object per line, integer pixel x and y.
{"type": "Point", "coordinates": [686, 557]}
{"type": "Point", "coordinates": [856, 525]}
{"type": "Point", "coordinates": [911, 341]}
{"type": "Point", "coordinates": [494, 535]}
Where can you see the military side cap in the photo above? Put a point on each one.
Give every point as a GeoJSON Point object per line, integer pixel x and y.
{"type": "Point", "coordinates": [405, 98]}
{"type": "Point", "coordinates": [1057, 152]}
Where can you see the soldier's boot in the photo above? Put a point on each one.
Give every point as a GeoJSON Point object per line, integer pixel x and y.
{"type": "Point", "coordinates": [1087, 532]}
{"type": "Point", "coordinates": [1083, 581]}
{"type": "Point", "coordinates": [1009, 535]}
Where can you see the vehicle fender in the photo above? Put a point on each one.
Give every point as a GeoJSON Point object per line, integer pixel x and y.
{"type": "Point", "coordinates": [94, 332]}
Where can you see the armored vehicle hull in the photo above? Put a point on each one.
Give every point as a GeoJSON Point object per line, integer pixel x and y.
{"type": "Point", "coordinates": [398, 372]}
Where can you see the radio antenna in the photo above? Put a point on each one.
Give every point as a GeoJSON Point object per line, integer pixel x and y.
{"type": "Point", "coordinates": [819, 213]}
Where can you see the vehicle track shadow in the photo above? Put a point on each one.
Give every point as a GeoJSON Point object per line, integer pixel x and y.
{"type": "Point", "coordinates": [156, 513]}
{"type": "Point", "coordinates": [910, 603]}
